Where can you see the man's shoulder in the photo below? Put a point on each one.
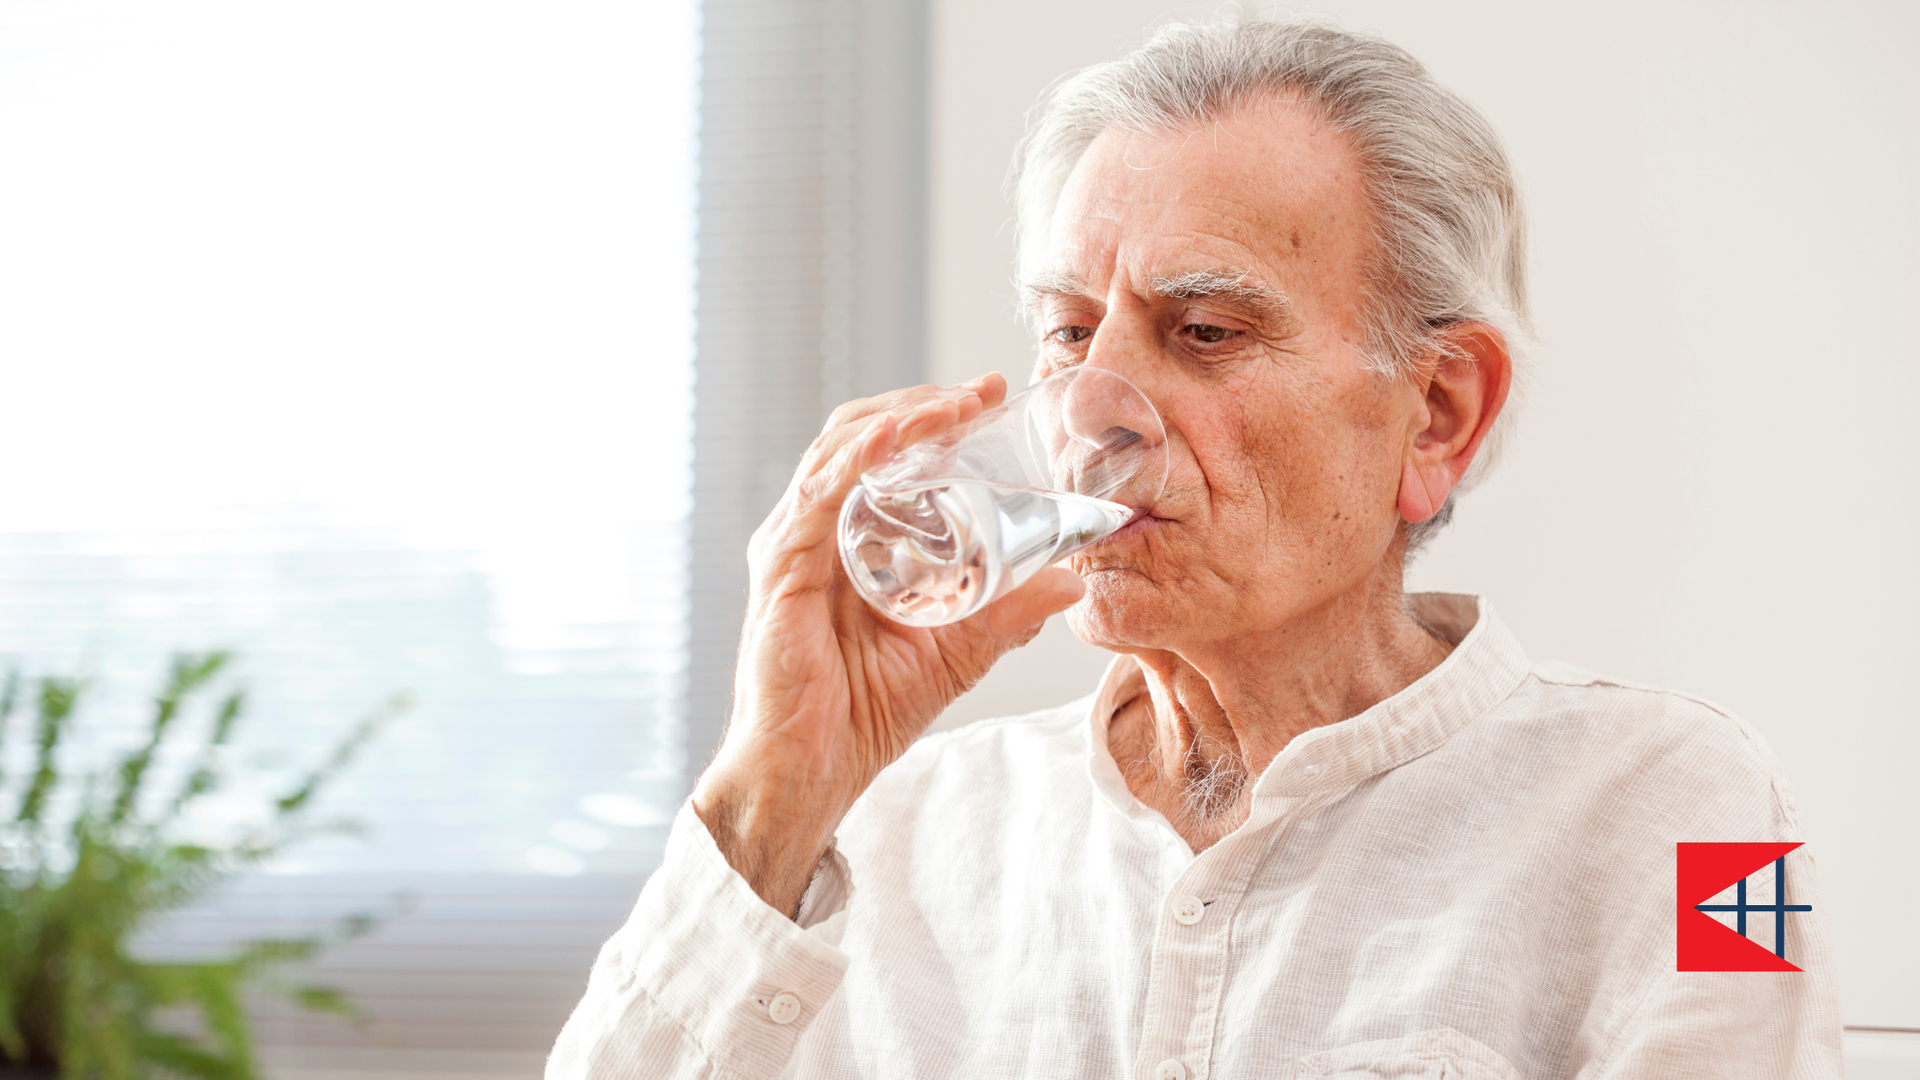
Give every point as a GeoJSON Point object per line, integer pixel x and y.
{"type": "Point", "coordinates": [1650, 740]}
{"type": "Point", "coordinates": [1563, 690]}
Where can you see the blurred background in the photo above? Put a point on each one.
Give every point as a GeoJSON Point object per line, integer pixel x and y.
{"type": "Point", "coordinates": [456, 348]}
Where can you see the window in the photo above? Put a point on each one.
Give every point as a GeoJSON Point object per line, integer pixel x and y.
{"type": "Point", "coordinates": [358, 337]}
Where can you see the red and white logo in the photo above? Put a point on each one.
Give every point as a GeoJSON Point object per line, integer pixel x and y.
{"type": "Point", "coordinates": [1704, 943]}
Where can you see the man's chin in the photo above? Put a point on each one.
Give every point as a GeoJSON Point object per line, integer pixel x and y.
{"type": "Point", "coordinates": [1122, 611]}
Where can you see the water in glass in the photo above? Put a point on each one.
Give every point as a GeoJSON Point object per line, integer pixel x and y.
{"type": "Point", "coordinates": [937, 553]}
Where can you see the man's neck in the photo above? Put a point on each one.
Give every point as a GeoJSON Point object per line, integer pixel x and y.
{"type": "Point", "coordinates": [1211, 718]}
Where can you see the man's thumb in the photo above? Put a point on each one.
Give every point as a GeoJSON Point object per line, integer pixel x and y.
{"type": "Point", "coordinates": [1018, 616]}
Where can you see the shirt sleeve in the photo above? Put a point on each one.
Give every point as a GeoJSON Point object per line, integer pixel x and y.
{"type": "Point", "coordinates": [705, 979]}
{"type": "Point", "coordinates": [1743, 1025]}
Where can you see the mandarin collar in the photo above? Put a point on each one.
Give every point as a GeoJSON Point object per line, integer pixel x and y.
{"type": "Point", "coordinates": [1485, 667]}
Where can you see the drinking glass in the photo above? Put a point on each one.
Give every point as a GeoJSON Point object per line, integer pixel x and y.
{"type": "Point", "coordinates": [947, 526]}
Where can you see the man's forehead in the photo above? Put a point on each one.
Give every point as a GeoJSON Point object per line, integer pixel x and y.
{"type": "Point", "coordinates": [1263, 192]}
{"type": "Point", "coordinates": [1263, 146]}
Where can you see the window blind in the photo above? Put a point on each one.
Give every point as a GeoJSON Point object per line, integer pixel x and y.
{"type": "Point", "coordinates": [346, 336]}
{"type": "Point", "coordinates": [812, 271]}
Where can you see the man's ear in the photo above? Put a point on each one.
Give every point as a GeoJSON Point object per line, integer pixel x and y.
{"type": "Point", "coordinates": [1463, 380]}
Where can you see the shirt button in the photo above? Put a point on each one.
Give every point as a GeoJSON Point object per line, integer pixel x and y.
{"type": "Point", "coordinates": [1169, 1070]}
{"type": "Point", "coordinates": [1186, 911]}
{"type": "Point", "coordinates": [783, 1008]}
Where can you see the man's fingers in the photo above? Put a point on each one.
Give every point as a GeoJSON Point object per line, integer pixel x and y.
{"type": "Point", "coordinates": [920, 411]}
{"type": "Point", "coordinates": [991, 388]}
{"type": "Point", "coordinates": [865, 435]}
{"type": "Point", "coordinates": [806, 514]}
{"type": "Point", "coordinates": [1048, 592]}
{"type": "Point", "coordinates": [817, 498]}
{"type": "Point", "coordinates": [969, 399]}
{"type": "Point", "coordinates": [972, 645]}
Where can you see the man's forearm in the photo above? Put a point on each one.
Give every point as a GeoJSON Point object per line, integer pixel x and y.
{"type": "Point", "coordinates": [772, 827]}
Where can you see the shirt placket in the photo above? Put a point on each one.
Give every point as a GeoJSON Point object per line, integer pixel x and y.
{"type": "Point", "coordinates": [1187, 969]}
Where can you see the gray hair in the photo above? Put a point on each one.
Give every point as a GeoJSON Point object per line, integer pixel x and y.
{"type": "Point", "coordinates": [1450, 233]}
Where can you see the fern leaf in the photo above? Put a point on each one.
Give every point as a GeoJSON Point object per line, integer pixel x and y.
{"type": "Point", "coordinates": [57, 699]}
{"type": "Point", "coordinates": [190, 672]}
{"type": "Point", "coordinates": [205, 776]}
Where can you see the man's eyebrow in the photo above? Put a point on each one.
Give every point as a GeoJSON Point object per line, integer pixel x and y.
{"type": "Point", "coordinates": [1231, 284]}
{"type": "Point", "coordinates": [1051, 283]}
{"type": "Point", "coordinates": [1235, 286]}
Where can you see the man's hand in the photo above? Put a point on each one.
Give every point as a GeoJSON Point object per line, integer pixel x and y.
{"type": "Point", "coordinates": [828, 691]}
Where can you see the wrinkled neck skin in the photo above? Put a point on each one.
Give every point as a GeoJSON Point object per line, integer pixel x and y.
{"type": "Point", "coordinates": [1207, 718]}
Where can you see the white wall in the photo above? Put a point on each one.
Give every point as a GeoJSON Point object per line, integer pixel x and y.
{"type": "Point", "coordinates": [1715, 486]}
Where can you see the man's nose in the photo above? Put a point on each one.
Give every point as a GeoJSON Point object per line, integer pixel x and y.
{"type": "Point", "coordinates": [1109, 440]}
{"type": "Point", "coordinates": [1104, 406]}
{"type": "Point", "coordinates": [1125, 345]}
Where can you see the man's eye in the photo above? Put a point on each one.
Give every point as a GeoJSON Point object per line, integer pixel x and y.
{"type": "Point", "coordinates": [1067, 335]}
{"type": "Point", "coordinates": [1210, 334]}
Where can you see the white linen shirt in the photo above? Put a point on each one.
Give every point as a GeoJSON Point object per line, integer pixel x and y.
{"type": "Point", "coordinates": [1473, 878]}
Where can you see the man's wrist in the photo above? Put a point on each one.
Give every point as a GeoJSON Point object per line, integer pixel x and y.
{"type": "Point", "coordinates": [772, 825]}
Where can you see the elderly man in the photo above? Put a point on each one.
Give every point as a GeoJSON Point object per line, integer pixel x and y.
{"type": "Point", "coordinates": [1307, 825]}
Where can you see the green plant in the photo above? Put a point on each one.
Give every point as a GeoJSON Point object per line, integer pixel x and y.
{"type": "Point", "coordinates": [86, 861]}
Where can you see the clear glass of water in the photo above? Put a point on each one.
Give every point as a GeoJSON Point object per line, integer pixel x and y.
{"type": "Point", "coordinates": [947, 526]}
